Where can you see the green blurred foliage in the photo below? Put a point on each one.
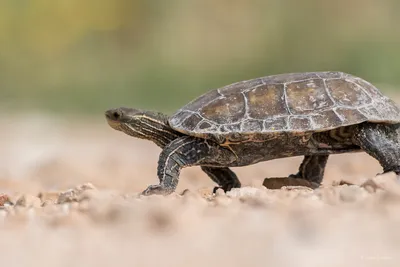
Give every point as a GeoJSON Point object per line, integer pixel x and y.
{"type": "Point", "coordinates": [86, 56]}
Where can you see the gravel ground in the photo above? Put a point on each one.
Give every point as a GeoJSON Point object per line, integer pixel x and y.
{"type": "Point", "coordinates": [74, 188]}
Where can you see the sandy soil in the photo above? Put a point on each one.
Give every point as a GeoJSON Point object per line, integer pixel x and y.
{"type": "Point", "coordinates": [75, 186]}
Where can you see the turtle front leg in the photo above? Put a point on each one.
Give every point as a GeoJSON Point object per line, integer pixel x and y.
{"type": "Point", "coordinates": [381, 142]}
{"type": "Point", "coordinates": [224, 177]}
{"type": "Point", "coordinates": [312, 168]}
{"type": "Point", "coordinates": [184, 152]}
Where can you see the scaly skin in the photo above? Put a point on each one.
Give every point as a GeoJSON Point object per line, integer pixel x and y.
{"type": "Point", "coordinates": [312, 168]}
{"type": "Point", "coordinates": [154, 126]}
{"type": "Point", "coordinates": [381, 141]}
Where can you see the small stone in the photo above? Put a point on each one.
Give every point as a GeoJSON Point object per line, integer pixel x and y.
{"type": "Point", "coordinates": [184, 192]}
{"type": "Point", "coordinates": [76, 194]}
{"type": "Point", "coordinates": [341, 182]}
{"type": "Point", "coordinates": [5, 200]}
{"type": "Point", "coordinates": [48, 197]}
{"type": "Point", "coordinates": [48, 202]}
{"type": "Point", "coordinates": [387, 182]}
{"type": "Point", "coordinates": [244, 192]}
{"type": "Point", "coordinates": [279, 182]}
{"type": "Point", "coordinates": [371, 186]}
{"type": "Point", "coordinates": [29, 201]}
{"type": "Point", "coordinates": [67, 196]}
{"type": "Point", "coordinates": [351, 193]}
{"type": "Point", "coordinates": [205, 193]}
{"type": "Point", "coordinates": [84, 187]}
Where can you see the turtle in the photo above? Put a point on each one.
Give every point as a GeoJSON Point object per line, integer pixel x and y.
{"type": "Point", "coordinates": [309, 114]}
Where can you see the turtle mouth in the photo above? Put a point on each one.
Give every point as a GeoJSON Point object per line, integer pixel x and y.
{"type": "Point", "coordinates": [113, 117]}
{"type": "Point", "coordinates": [114, 124]}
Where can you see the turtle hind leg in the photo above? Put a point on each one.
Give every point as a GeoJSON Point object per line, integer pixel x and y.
{"type": "Point", "coordinates": [380, 141]}
{"type": "Point", "coordinates": [224, 177]}
{"type": "Point", "coordinates": [312, 168]}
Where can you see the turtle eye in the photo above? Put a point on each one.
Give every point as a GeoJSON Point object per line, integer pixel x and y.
{"type": "Point", "coordinates": [116, 115]}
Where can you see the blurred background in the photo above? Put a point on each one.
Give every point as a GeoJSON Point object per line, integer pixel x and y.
{"type": "Point", "coordinates": [81, 57]}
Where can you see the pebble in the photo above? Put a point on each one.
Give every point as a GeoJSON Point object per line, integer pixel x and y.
{"type": "Point", "coordinates": [352, 193]}
{"type": "Point", "coordinates": [76, 194]}
{"type": "Point", "coordinates": [5, 200]}
{"type": "Point", "coordinates": [279, 182]}
{"type": "Point", "coordinates": [29, 201]}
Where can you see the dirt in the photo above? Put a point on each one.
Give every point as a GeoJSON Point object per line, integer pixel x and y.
{"type": "Point", "coordinates": [69, 197]}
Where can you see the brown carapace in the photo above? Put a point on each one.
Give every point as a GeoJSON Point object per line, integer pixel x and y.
{"type": "Point", "coordinates": [312, 114]}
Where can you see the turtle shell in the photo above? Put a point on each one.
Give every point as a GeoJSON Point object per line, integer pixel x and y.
{"type": "Point", "coordinates": [295, 102]}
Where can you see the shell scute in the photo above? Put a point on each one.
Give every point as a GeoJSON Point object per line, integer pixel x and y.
{"type": "Point", "coordinates": [275, 124]}
{"type": "Point", "coordinates": [252, 125]}
{"type": "Point", "coordinates": [372, 91]}
{"type": "Point", "coordinates": [204, 125]}
{"type": "Point", "coordinates": [387, 109]}
{"type": "Point", "coordinates": [183, 115]}
{"type": "Point", "coordinates": [300, 123]}
{"type": "Point", "coordinates": [326, 119]}
{"type": "Point", "coordinates": [350, 116]}
{"type": "Point", "coordinates": [347, 94]}
{"type": "Point", "coordinates": [308, 96]}
{"type": "Point", "coordinates": [230, 128]}
{"type": "Point", "coordinates": [191, 122]}
{"type": "Point", "coordinates": [230, 109]}
{"type": "Point", "coordinates": [266, 100]}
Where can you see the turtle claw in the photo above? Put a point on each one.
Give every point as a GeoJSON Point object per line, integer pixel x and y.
{"type": "Point", "coordinates": [226, 189]}
{"type": "Point", "coordinates": [156, 190]}
{"type": "Point", "coordinates": [216, 189]}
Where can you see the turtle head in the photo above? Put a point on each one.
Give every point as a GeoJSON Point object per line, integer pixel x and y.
{"type": "Point", "coordinates": [120, 118]}
{"type": "Point", "coordinates": [142, 124]}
